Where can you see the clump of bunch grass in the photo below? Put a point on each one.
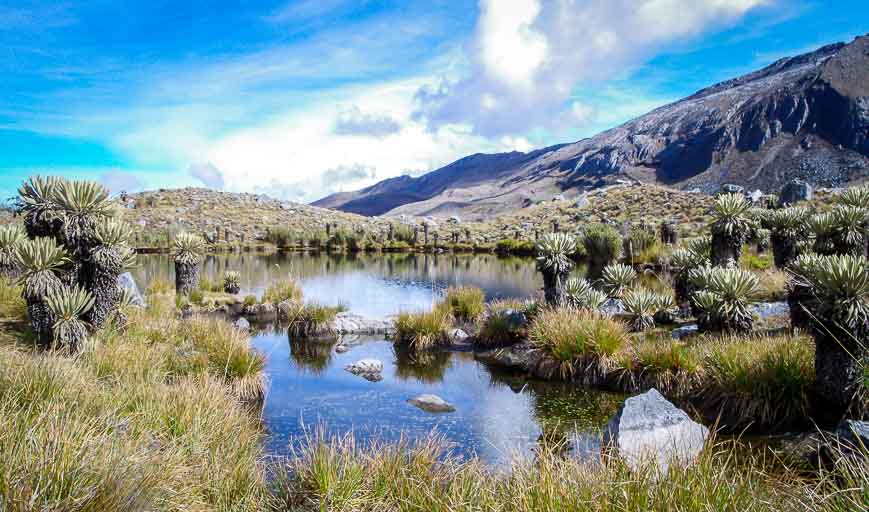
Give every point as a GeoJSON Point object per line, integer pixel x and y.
{"type": "Point", "coordinates": [311, 319]}
{"type": "Point", "coordinates": [505, 322]}
{"type": "Point", "coordinates": [148, 417]}
{"type": "Point", "coordinates": [424, 330]}
{"type": "Point", "coordinates": [581, 342]}
{"type": "Point", "coordinates": [341, 474]}
{"type": "Point", "coordinates": [617, 279]}
{"type": "Point", "coordinates": [466, 303]}
{"type": "Point", "coordinates": [283, 290]}
{"type": "Point", "coordinates": [766, 380]}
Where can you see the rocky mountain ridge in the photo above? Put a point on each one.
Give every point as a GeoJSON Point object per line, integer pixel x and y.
{"type": "Point", "coordinates": [802, 117]}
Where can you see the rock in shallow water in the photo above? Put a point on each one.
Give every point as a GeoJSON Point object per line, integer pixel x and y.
{"type": "Point", "coordinates": [242, 324]}
{"type": "Point", "coordinates": [368, 369]}
{"type": "Point", "coordinates": [649, 428]}
{"type": "Point", "coordinates": [431, 403]}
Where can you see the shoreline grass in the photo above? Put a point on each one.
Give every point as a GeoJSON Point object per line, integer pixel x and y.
{"type": "Point", "coordinates": [424, 330]}
{"type": "Point", "coordinates": [338, 474]}
{"type": "Point", "coordinates": [146, 419]}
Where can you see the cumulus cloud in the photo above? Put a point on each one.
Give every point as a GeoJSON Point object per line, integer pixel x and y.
{"type": "Point", "coordinates": [346, 174]}
{"type": "Point", "coordinates": [527, 56]}
{"type": "Point", "coordinates": [208, 174]}
{"type": "Point", "coordinates": [300, 148]}
{"type": "Point", "coordinates": [354, 121]}
{"type": "Point", "coordinates": [120, 181]}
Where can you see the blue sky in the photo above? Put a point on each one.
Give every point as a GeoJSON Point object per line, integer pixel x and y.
{"type": "Point", "coordinates": [303, 98]}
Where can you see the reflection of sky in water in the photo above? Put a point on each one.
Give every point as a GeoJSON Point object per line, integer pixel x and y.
{"type": "Point", "coordinates": [370, 285]}
{"type": "Point", "coordinates": [492, 420]}
{"type": "Point", "coordinates": [497, 416]}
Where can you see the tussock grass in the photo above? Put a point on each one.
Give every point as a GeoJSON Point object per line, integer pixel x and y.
{"type": "Point", "coordinates": [767, 380]}
{"type": "Point", "coordinates": [73, 437]}
{"type": "Point", "coordinates": [311, 319]}
{"type": "Point", "coordinates": [426, 329]}
{"type": "Point", "coordinates": [279, 291]}
{"type": "Point", "coordinates": [337, 474]}
{"type": "Point", "coordinates": [578, 339]}
{"type": "Point", "coordinates": [12, 304]}
{"type": "Point", "coordinates": [159, 347]}
{"type": "Point", "coordinates": [466, 303]}
{"type": "Point", "coordinates": [497, 328]}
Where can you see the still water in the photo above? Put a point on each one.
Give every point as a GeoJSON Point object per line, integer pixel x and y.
{"type": "Point", "coordinates": [498, 415]}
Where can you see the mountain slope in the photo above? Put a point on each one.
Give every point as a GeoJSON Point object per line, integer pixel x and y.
{"type": "Point", "coordinates": [801, 117]}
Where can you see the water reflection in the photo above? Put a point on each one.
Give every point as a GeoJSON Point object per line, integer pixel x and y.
{"type": "Point", "coordinates": [374, 285]}
{"type": "Point", "coordinates": [498, 415]}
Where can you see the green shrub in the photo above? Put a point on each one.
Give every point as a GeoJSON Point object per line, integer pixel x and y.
{"type": "Point", "coordinates": [249, 300]}
{"type": "Point", "coordinates": [513, 246]}
{"type": "Point", "coordinates": [603, 244]}
{"type": "Point", "coordinates": [466, 303]}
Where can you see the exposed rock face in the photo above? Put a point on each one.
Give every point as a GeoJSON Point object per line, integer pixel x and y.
{"type": "Point", "coordinates": [368, 369]}
{"type": "Point", "coordinates": [796, 191]}
{"type": "Point", "coordinates": [648, 428]}
{"type": "Point", "coordinates": [431, 403]}
{"type": "Point", "coordinates": [804, 117]}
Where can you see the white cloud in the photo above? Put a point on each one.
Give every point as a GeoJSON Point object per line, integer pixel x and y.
{"type": "Point", "coordinates": [529, 55]}
{"type": "Point", "coordinates": [354, 121]}
{"type": "Point", "coordinates": [208, 174]}
{"type": "Point", "coordinates": [297, 154]}
{"type": "Point", "coordinates": [117, 181]}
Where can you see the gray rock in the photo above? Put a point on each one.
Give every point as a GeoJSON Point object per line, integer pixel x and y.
{"type": "Point", "coordinates": [770, 309]}
{"type": "Point", "coordinates": [431, 403]}
{"type": "Point", "coordinates": [458, 335]}
{"type": "Point", "coordinates": [520, 356]}
{"type": "Point", "coordinates": [648, 428]}
{"type": "Point", "coordinates": [854, 436]}
{"type": "Point", "coordinates": [613, 307]}
{"type": "Point", "coordinates": [340, 349]}
{"type": "Point", "coordinates": [242, 324]}
{"type": "Point", "coordinates": [351, 323]}
{"type": "Point", "coordinates": [126, 281]}
{"type": "Point", "coordinates": [369, 369]}
{"type": "Point", "coordinates": [261, 311]}
{"type": "Point", "coordinates": [730, 188]}
{"type": "Point", "coordinates": [515, 319]}
{"type": "Point", "coordinates": [685, 330]}
{"type": "Point", "coordinates": [796, 191]}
